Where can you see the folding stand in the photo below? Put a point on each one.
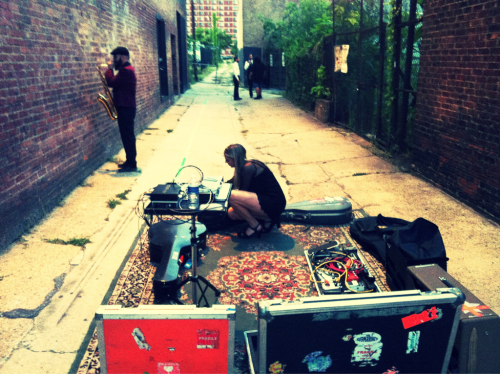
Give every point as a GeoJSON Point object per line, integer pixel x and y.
{"type": "Point", "coordinates": [196, 279]}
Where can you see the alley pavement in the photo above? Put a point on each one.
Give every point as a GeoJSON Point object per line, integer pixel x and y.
{"type": "Point", "coordinates": [49, 291]}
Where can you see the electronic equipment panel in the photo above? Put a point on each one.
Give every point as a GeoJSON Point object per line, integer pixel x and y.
{"type": "Point", "coordinates": [338, 269]}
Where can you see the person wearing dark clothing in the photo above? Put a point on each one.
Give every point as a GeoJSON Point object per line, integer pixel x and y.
{"type": "Point", "coordinates": [257, 197]}
{"type": "Point", "coordinates": [124, 86]}
{"type": "Point", "coordinates": [248, 64]}
{"type": "Point", "coordinates": [236, 78]}
{"type": "Point", "coordinates": [257, 72]}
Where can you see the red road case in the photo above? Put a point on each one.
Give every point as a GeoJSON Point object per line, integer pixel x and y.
{"type": "Point", "coordinates": [161, 339]}
{"type": "Point", "coordinates": [478, 336]}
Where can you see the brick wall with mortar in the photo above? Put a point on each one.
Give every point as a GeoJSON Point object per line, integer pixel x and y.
{"type": "Point", "coordinates": [457, 126]}
{"type": "Point", "coordinates": [53, 132]}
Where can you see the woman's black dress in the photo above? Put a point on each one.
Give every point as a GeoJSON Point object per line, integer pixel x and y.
{"type": "Point", "coordinates": [269, 193]}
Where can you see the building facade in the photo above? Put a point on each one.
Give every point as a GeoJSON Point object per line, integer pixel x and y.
{"type": "Point", "coordinates": [225, 10]}
{"type": "Point", "coordinates": [53, 131]}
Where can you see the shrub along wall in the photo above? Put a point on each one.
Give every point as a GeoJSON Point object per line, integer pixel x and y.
{"type": "Point", "coordinates": [53, 132]}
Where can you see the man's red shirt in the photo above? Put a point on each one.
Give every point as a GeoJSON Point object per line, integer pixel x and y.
{"type": "Point", "coordinates": [124, 85]}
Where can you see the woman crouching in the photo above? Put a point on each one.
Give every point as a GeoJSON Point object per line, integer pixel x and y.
{"type": "Point", "coordinates": [257, 197]}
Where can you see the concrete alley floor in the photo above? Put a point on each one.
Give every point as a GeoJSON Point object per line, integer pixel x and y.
{"type": "Point", "coordinates": [49, 292]}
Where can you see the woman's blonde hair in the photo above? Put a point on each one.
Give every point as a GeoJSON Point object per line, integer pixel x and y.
{"type": "Point", "coordinates": [239, 154]}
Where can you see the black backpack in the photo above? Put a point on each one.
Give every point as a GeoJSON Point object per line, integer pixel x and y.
{"type": "Point", "coordinates": [420, 241]}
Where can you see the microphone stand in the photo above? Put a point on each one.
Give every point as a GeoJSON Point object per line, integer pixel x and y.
{"type": "Point", "coordinates": [195, 279]}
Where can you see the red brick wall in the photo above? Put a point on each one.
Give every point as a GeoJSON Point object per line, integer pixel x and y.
{"type": "Point", "coordinates": [53, 132]}
{"type": "Point", "coordinates": [457, 129]}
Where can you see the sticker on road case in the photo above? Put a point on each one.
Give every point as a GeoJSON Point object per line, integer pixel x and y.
{"type": "Point", "coordinates": [427, 315]}
{"type": "Point", "coordinates": [368, 349]}
{"type": "Point", "coordinates": [413, 339]}
{"type": "Point", "coordinates": [277, 368]}
{"type": "Point", "coordinates": [140, 339]}
{"type": "Point", "coordinates": [392, 370]}
{"type": "Point", "coordinates": [474, 309]}
{"type": "Point", "coordinates": [317, 363]}
{"type": "Point", "coordinates": [169, 368]}
{"type": "Point", "coordinates": [208, 339]}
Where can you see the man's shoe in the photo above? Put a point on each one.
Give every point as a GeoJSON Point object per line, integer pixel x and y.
{"type": "Point", "coordinates": [258, 98]}
{"type": "Point", "coordinates": [127, 169]}
{"type": "Point", "coordinates": [239, 98]}
{"type": "Point", "coordinates": [122, 165]}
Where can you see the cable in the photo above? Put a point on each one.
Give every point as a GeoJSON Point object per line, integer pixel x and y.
{"type": "Point", "coordinates": [184, 167]}
{"type": "Point", "coordinates": [345, 270]}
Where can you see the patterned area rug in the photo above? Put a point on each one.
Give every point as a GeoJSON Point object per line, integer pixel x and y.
{"type": "Point", "coordinates": [244, 271]}
{"type": "Point", "coordinates": [250, 277]}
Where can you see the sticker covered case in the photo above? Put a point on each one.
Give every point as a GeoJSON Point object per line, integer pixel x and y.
{"type": "Point", "coordinates": [166, 339]}
{"type": "Point", "coordinates": [389, 332]}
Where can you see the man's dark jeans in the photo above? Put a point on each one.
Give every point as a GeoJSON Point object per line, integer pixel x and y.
{"type": "Point", "coordinates": [126, 117]}
{"type": "Point", "coordinates": [250, 87]}
{"type": "Point", "coordinates": [236, 87]}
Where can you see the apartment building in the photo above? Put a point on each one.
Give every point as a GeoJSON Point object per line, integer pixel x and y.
{"type": "Point", "coordinates": [225, 10]}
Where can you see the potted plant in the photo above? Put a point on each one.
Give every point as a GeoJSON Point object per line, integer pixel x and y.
{"type": "Point", "coordinates": [323, 95]}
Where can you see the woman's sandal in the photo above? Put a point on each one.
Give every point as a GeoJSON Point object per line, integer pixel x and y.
{"type": "Point", "coordinates": [267, 226]}
{"type": "Point", "coordinates": [256, 233]}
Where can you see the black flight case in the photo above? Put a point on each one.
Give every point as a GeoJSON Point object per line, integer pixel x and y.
{"type": "Point", "coordinates": [382, 332]}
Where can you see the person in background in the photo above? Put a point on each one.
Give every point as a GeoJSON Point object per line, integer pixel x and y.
{"type": "Point", "coordinates": [124, 86]}
{"type": "Point", "coordinates": [236, 78]}
{"type": "Point", "coordinates": [256, 197]}
{"type": "Point", "coordinates": [249, 63]}
{"type": "Point", "coordinates": [257, 72]}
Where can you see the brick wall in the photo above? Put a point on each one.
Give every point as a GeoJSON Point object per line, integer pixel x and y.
{"type": "Point", "coordinates": [53, 132]}
{"type": "Point", "coordinates": [457, 129]}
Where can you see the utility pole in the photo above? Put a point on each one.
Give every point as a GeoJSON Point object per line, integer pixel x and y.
{"type": "Point", "coordinates": [193, 32]}
{"type": "Point", "coordinates": [215, 42]}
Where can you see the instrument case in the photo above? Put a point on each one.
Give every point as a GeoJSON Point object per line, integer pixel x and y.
{"type": "Point", "coordinates": [478, 335]}
{"type": "Point", "coordinates": [168, 241]}
{"type": "Point", "coordinates": [386, 332]}
{"type": "Point", "coordinates": [326, 211]}
{"type": "Point", "coordinates": [166, 339]}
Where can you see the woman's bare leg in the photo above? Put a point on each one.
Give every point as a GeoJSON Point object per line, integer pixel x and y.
{"type": "Point", "coordinates": [245, 205]}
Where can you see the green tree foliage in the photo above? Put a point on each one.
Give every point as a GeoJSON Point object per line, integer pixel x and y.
{"type": "Point", "coordinates": [300, 35]}
{"type": "Point", "coordinates": [205, 37]}
{"type": "Point", "coordinates": [234, 48]}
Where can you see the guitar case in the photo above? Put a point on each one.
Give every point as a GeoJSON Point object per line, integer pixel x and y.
{"type": "Point", "coordinates": [326, 211]}
{"type": "Point", "coordinates": [168, 242]}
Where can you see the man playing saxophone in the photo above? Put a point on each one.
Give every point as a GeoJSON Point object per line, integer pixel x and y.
{"type": "Point", "coordinates": [124, 85]}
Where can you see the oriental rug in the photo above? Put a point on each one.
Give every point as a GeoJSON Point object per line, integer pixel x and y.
{"type": "Point", "coordinates": [245, 271]}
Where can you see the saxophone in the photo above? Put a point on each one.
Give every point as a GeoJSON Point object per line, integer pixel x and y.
{"type": "Point", "coordinates": [107, 100]}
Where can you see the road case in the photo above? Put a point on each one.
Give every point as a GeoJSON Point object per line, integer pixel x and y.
{"type": "Point", "coordinates": [388, 332]}
{"type": "Point", "coordinates": [326, 211]}
{"type": "Point", "coordinates": [166, 339]}
{"type": "Point", "coordinates": [478, 335]}
{"type": "Point", "coordinates": [251, 343]}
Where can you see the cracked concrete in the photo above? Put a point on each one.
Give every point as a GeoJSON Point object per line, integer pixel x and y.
{"type": "Point", "coordinates": [310, 160]}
